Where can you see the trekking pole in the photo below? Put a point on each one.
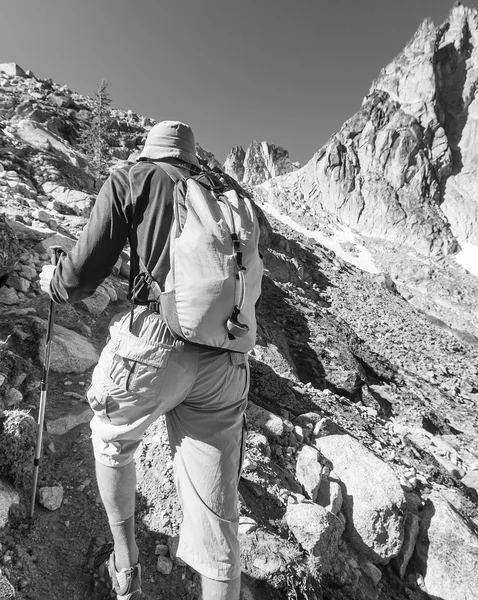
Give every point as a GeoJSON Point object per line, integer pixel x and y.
{"type": "Point", "coordinates": [56, 253]}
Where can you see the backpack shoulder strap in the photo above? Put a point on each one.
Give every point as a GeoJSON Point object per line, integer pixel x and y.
{"type": "Point", "coordinates": [137, 263]}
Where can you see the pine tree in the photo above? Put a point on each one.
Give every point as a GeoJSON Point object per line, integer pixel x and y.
{"type": "Point", "coordinates": [95, 141]}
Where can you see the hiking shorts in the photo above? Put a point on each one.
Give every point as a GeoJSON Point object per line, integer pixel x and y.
{"type": "Point", "coordinates": [143, 374]}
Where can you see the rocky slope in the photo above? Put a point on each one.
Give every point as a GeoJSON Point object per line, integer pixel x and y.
{"type": "Point", "coordinates": [360, 475]}
{"type": "Point", "coordinates": [401, 172]}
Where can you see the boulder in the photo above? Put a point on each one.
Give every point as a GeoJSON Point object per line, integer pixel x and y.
{"type": "Point", "coordinates": [446, 552]}
{"type": "Point", "coordinates": [79, 202]}
{"type": "Point", "coordinates": [57, 239]}
{"type": "Point", "coordinates": [12, 69]}
{"type": "Point", "coordinates": [68, 422]}
{"type": "Point", "coordinates": [373, 501]}
{"type": "Point", "coordinates": [51, 497]}
{"type": "Point", "coordinates": [316, 529]}
{"type": "Point", "coordinates": [70, 351]}
{"type": "Point", "coordinates": [38, 136]}
{"type": "Point", "coordinates": [271, 424]}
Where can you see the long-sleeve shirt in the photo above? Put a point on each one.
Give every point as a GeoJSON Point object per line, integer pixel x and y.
{"type": "Point", "coordinates": [109, 227]}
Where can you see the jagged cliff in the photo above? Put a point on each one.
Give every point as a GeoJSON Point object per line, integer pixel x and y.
{"type": "Point", "coordinates": [403, 167]}
{"type": "Point", "coordinates": [260, 162]}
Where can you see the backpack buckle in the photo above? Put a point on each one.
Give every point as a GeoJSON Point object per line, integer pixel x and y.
{"type": "Point", "coordinates": [155, 306]}
{"type": "Point", "coordinates": [236, 329]}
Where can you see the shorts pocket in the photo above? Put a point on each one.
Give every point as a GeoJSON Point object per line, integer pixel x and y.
{"type": "Point", "coordinates": [98, 402]}
{"type": "Point", "coordinates": [136, 376]}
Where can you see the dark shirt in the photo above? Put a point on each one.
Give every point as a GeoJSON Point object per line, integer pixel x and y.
{"type": "Point", "coordinates": [100, 244]}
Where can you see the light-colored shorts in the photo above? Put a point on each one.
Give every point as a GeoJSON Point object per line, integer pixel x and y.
{"type": "Point", "coordinates": [144, 374]}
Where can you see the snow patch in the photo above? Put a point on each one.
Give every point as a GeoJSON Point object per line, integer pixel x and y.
{"type": "Point", "coordinates": [468, 257]}
{"type": "Point", "coordinates": [359, 256]}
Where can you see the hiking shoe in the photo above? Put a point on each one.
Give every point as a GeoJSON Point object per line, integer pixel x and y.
{"type": "Point", "coordinates": [100, 562]}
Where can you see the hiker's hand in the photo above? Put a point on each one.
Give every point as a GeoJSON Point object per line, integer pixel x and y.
{"type": "Point", "coordinates": [46, 277]}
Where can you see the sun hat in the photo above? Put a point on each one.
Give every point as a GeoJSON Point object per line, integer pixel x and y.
{"type": "Point", "coordinates": [170, 139]}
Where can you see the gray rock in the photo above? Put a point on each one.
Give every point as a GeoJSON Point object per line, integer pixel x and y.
{"type": "Point", "coordinates": [316, 529]}
{"type": "Point", "coordinates": [412, 526]}
{"type": "Point", "coordinates": [18, 283]}
{"type": "Point", "coordinates": [326, 427]}
{"type": "Point", "coordinates": [447, 551]}
{"type": "Point", "coordinates": [57, 239]}
{"type": "Point", "coordinates": [373, 501]}
{"type": "Point", "coordinates": [70, 351]}
{"type": "Point", "coordinates": [330, 495]}
{"type": "Point", "coordinates": [12, 69]}
{"type": "Point", "coordinates": [68, 422]}
{"type": "Point", "coordinates": [309, 471]}
{"type": "Point", "coordinates": [97, 303]}
{"type": "Point", "coordinates": [268, 422]}
{"type": "Point", "coordinates": [8, 296]}
{"type": "Point", "coordinates": [79, 202]}
{"type": "Point", "coordinates": [471, 480]}
{"type": "Point", "coordinates": [51, 497]}
{"type": "Point", "coordinates": [164, 565]}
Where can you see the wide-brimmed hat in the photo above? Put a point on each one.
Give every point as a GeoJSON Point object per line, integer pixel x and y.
{"type": "Point", "coordinates": [170, 139]}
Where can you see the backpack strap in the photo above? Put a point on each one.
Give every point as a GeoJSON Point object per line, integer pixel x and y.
{"type": "Point", "coordinates": [143, 276]}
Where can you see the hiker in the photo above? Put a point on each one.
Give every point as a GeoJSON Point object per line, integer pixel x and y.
{"type": "Point", "coordinates": [145, 371]}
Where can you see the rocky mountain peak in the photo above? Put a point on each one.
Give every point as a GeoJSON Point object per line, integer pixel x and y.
{"type": "Point", "coordinates": [260, 162]}
{"type": "Point", "coordinates": [402, 168]}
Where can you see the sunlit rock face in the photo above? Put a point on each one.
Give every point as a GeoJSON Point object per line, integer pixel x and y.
{"type": "Point", "coordinates": [403, 168]}
{"type": "Point", "coordinates": [260, 162]}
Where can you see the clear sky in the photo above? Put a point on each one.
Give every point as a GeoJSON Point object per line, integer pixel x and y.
{"type": "Point", "coordinates": [289, 72]}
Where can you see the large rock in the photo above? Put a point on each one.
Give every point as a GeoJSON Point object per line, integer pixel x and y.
{"type": "Point", "coordinates": [57, 239]}
{"type": "Point", "coordinates": [38, 136]}
{"type": "Point", "coordinates": [70, 351]}
{"type": "Point", "coordinates": [12, 69]}
{"type": "Point", "coordinates": [316, 529]}
{"type": "Point", "coordinates": [79, 202]}
{"type": "Point", "coordinates": [373, 500]}
{"type": "Point", "coordinates": [447, 551]}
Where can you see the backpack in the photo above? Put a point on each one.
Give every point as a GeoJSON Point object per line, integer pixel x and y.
{"type": "Point", "coordinates": [214, 282]}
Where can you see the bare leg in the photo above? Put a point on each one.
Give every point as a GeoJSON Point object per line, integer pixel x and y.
{"type": "Point", "coordinates": [220, 590]}
{"type": "Point", "coordinates": [117, 488]}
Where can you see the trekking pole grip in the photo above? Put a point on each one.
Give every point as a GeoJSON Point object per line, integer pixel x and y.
{"type": "Point", "coordinates": [56, 252]}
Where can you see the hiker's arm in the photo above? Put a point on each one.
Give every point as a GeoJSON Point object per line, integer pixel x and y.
{"type": "Point", "coordinates": [92, 259]}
